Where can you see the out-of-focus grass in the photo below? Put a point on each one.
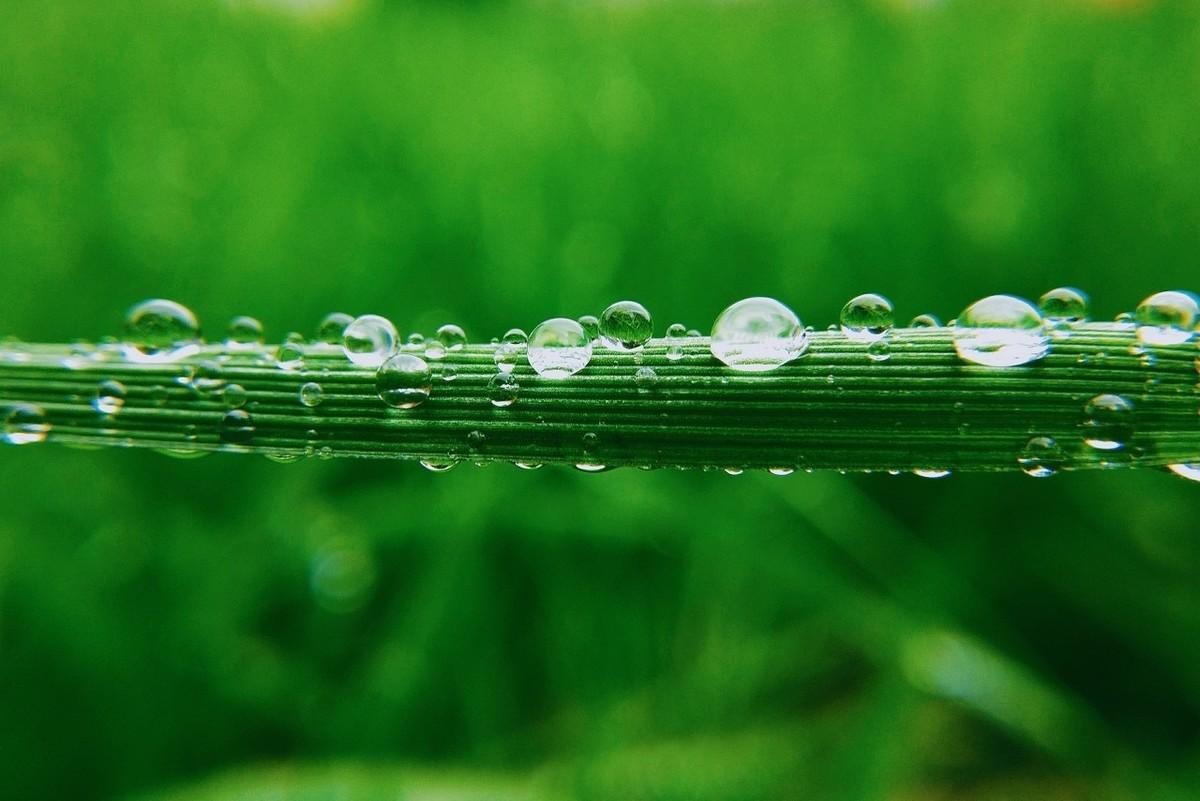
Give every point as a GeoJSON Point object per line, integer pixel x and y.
{"type": "Point", "coordinates": [623, 635]}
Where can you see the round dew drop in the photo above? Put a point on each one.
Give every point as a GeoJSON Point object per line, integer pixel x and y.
{"type": "Point", "coordinates": [867, 317]}
{"type": "Point", "coordinates": [1108, 425]}
{"type": "Point", "coordinates": [158, 331]}
{"type": "Point", "coordinates": [591, 327]}
{"type": "Point", "coordinates": [626, 325]}
{"type": "Point", "coordinates": [110, 397]}
{"type": "Point", "coordinates": [244, 333]}
{"type": "Point", "coordinates": [25, 424]}
{"type": "Point", "coordinates": [1167, 318]}
{"type": "Point", "coordinates": [925, 321]}
{"type": "Point", "coordinates": [930, 473]}
{"type": "Point", "coordinates": [1000, 331]}
{"type": "Point", "coordinates": [559, 348]}
{"type": "Point", "coordinates": [369, 340]}
{"type": "Point", "coordinates": [1189, 471]}
{"type": "Point", "coordinates": [644, 378]}
{"type": "Point", "coordinates": [758, 334]}
{"type": "Point", "coordinates": [1064, 306]}
{"type": "Point", "coordinates": [311, 394]}
{"type": "Point", "coordinates": [438, 465]}
{"type": "Point", "coordinates": [879, 350]}
{"type": "Point", "coordinates": [451, 337]}
{"type": "Point", "coordinates": [290, 356]}
{"type": "Point", "coordinates": [404, 381]}
{"type": "Point", "coordinates": [676, 334]}
{"type": "Point", "coordinates": [234, 395]}
{"type": "Point", "coordinates": [333, 327]}
{"type": "Point", "coordinates": [1041, 457]}
{"type": "Point", "coordinates": [503, 390]}
{"type": "Point", "coordinates": [237, 427]}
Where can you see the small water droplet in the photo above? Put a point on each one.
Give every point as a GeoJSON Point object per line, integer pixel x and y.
{"type": "Point", "coordinates": [1167, 318]}
{"type": "Point", "coordinates": [415, 340]}
{"type": "Point", "coordinates": [243, 332]}
{"type": "Point", "coordinates": [930, 473]}
{"type": "Point", "coordinates": [559, 348]}
{"type": "Point", "coordinates": [528, 465]}
{"type": "Point", "coordinates": [879, 350]}
{"type": "Point", "coordinates": [1064, 306]}
{"type": "Point", "coordinates": [234, 396]}
{"type": "Point", "coordinates": [237, 427]}
{"type": "Point", "coordinates": [158, 331]}
{"type": "Point", "coordinates": [438, 465]}
{"type": "Point", "coordinates": [591, 442]}
{"type": "Point", "coordinates": [1108, 423]}
{"type": "Point", "coordinates": [626, 325]}
{"type": "Point", "coordinates": [332, 328]}
{"type": "Point", "coordinates": [503, 390]}
{"type": "Point", "coordinates": [25, 424]}
{"type": "Point", "coordinates": [1189, 471]}
{"type": "Point", "coordinates": [757, 334]}
{"type": "Point", "coordinates": [434, 350]}
{"type": "Point", "coordinates": [1041, 457]}
{"type": "Point", "coordinates": [311, 394]}
{"type": "Point", "coordinates": [110, 397]}
{"type": "Point", "coordinates": [452, 337]}
{"type": "Point", "coordinates": [734, 471]}
{"type": "Point", "coordinates": [448, 372]}
{"type": "Point", "coordinates": [505, 357]}
{"type": "Point", "coordinates": [404, 381]}
{"type": "Point", "coordinates": [781, 471]}
{"type": "Point", "coordinates": [867, 317]}
{"type": "Point", "coordinates": [515, 336]}
{"type": "Point", "coordinates": [1000, 331]}
{"type": "Point", "coordinates": [290, 356]}
{"type": "Point", "coordinates": [591, 327]}
{"type": "Point", "coordinates": [369, 340]}
{"type": "Point", "coordinates": [925, 321]}
{"type": "Point", "coordinates": [477, 440]}
{"type": "Point", "coordinates": [645, 378]}
{"type": "Point", "coordinates": [590, 467]}
{"type": "Point", "coordinates": [676, 335]}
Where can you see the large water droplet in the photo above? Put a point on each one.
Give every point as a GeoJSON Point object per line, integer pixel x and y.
{"type": "Point", "coordinates": [158, 331]}
{"type": "Point", "coordinates": [110, 397]}
{"type": "Point", "coordinates": [1167, 318]}
{"type": "Point", "coordinates": [867, 317]}
{"type": "Point", "coordinates": [332, 329]}
{"type": "Point", "coordinates": [369, 340]}
{"type": "Point", "coordinates": [404, 381]}
{"type": "Point", "coordinates": [626, 325]}
{"type": "Point", "coordinates": [237, 427]}
{"type": "Point", "coordinates": [25, 424]}
{"type": "Point", "coordinates": [311, 394]}
{"type": "Point", "coordinates": [559, 348]}
{"type": "Point", "coordinates": [591, 327]}
{"type": "Point", "coordinates": [1064, 306]}
{"type": "Point", "coordinates": [234, 395]}
{"type": "Point", "coordinates": [1041, 457]}
{"type": "Point", "coordinates": [503, 390]}
{"type": "Point", "coordinates": [290, 355]}
{"type": "Point", "coordinates": [244, 332]}
{"type": "Point", "coordinates": [451, 337]}
{"type": "Point", "coordinates": [1000, 331]}
{"type": "Point", "coordinates": [1189, 471]}
{"type": "Point", "coordinates": [1108, 423]}
{"type": "Point", "coordinates": [758, 334]}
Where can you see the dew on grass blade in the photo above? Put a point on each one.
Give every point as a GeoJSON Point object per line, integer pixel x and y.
{"type": "Point", "coordinates": [591, 327]}
{"type": "Point", "coordinates": [559, 348]}
{"type": "Point", "coordinates": [110, 397]}
{"type": "Point", "coordinates": [237, 427]}
{"type": "Point", "coordinates": [1064, 306]}
{"type": "Point", "coordinates": [243, 333]}
{"type": "Point", "coordinates": [503, 390]}
{"type": "Point", "coordinates": [160, 331]}
{"type": "Point", "coordinates": [25, 424]}
{"type": "Point", "coordinates": [867, 317]}
{"type": "Point", "coordinates": [404, 381]}
{"type": "Point", "coordinates": [311, 394]}
{"type": "Point", "coordinates": [757, 334]}
{"type": "Point", "coordinates": [676, 335]}
{"type": "Point", "coordinates": [369, 340]}
{"type": "Point", "coordinates": [925, 321]}
{"type": "Point", "coordinates": [626, 325]}
{"type": "Point", "coordinates": [451, 337]}
{"type": "Point", "coordinates": [332, 328]}
{"type": "Point", "coordinates": [1041, 457]}
{"type": "Point", "coordinates": [1000, 331]}
{"type": "Point", "coordinates": [1108, 423]}
{"type": "Point", "coordinates": [1167, 318]}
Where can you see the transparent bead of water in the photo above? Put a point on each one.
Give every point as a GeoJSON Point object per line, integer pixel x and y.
{"type": "Point", "coordinates": [1041, 457]}
{"type": "Point", "coordinates": [758, 334]}
{"type": "Point", "coordinates": [879, 350]}
{"type": "Point", "coordinates": [1167, 318]}
{"type": "Point", "coordinates": [158, 331]}
{"type": "Point", "coordinates": [25, 424]}
{"type": "Point", "coordinates": [558, 348]}
{"type": "Point", "coordinates": [590, 467]}
{"type": "Point", "coordinates": [290, 356]}
{"type": "Point", "coordinates": [503, 390]}
{"type": "Point", "coordinates": [515, 336]}
{"type": "Point", "coordinates": [1000, 331]}
{"type": "Point", "coordinates": [448, 372]}
{"type": "Point", "coordinates": [676, 336]}
{"type": "Point", "coordinates": [332, 328]}
{"type": "Point", "coordinates": [237, 427]}
{"type": "Point", "coordinates": [476, 440]}
{"type": "Point", "coordinates": [868, 317]}
{"type": "Point", "coordinates": [1064, 306]}
{"type": "Point", "coordinates": [234, 395]}
{"type": "Point", "coordinates": [438, 465]}
{"type": "Point", "coordinates": [1190, 471]}
{"type": "Point", "coordinates": [929, 472]}
{"type": "Point", "coordinates": [781, 471]}
{"type": "Point", "coordinates": [244, 332]}
{"type": "Point", "coordinates": [369, 340]}
{"type": "Point", "coordinates": [505, 357]}
{"type": "Point", "coordinates": [404, 381]}
{"type": "Point", "coordinates": [1108, 423]}
{"type": "Point", "coordinates": [644, 378]}
{"type": "Point", "coordinates": [110, 397]}
{"type": "Point", "coordinates": [591, 327]}
{"type": "Point", "coordinates": [452, 337]}
{"type": "Point", "coordinates": [311, 394]}
{"type": "Point", "coordinates": [434, 349]}
{"type": "Point", "coordinates": [415, 340]}
{"type": "Point", "coordinates": [626, 325]}
{"type": "Point", "coordinates": [925, 321]}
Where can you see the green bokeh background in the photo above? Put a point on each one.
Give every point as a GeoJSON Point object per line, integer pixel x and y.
{"type": "Point", "coordinates": [230, 628]}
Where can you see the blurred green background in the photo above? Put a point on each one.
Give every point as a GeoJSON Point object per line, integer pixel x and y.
{"type": "Point", "coordinates": [230, 628]}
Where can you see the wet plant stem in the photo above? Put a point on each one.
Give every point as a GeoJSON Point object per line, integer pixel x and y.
{"type": "Point", "coordinates": [834, 408]}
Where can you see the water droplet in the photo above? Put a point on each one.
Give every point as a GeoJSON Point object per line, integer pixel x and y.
{"type": "Point", "coordinates": [25, 424]}
{"type": "Point", "coordinates": [244, 332]}
{"type": "Point", "coordinates": [626, 325]}
{"type": "Point", "coordinates": [1108, 424]}
{"type": "Point", "coordinates": [234, 396]}
{"type": "Point", "coordinates": [332, 329]}
{"type": "Point", "coordinates": [1124, 319]}
{"type": "Point", "coordinates": [781, 471]}
{"type": "Point", "coordinates": [237, 428]}
{"type": "Point", "coordinates": [676, 335]}
{"type": "Point", "coordinates": [591, 442]}
{"type": "Point", "coordinates": [369, 340]}
{"type": "Point", "coordinates": [438, 465]}
{"type": "Point", "coordinates": [311, 394]}
{"type": "Point", "coordinates": [404, 381]}
{"type": "Point", "coordinates": [1041, 457]}
{"type": "Point", "coordinates": [757, 334]}
{"type": "Point", "coordinates": [158, 331]}
{"type": "Point", "coordinates": [591, 327]}
{"type": "Point", "coordinates": [559, 348]}
{"type": "Point", "coordinates": [931, 473]}
{"type": "Point", "coordinates": [1000, 331]}
{"type": "Point", "coordinates": [290, 356]}
{"type": "Point", "coordinates": [925, 321]}
{"type": "Point", "coordinates": [867, 317]}
{"type": "Point", "coordinates": [451, 337]}
{"type": "Point", "coordinates": [159, 395]}
{"type": "Point", "coordinates": [505, 357]}
{"type": "Point", "coordinates": [589, 467]}
{"type": "Point", "coordinates": [528, 465]}
{"type": "Point", "coordinates": [1189, 471]}
{"type": "Point", "coordinates": [515, 336]}
{"type": "Point", "coordinates": [503, 390]}
{"type": "Point", "coordinates": [449, 372]}
{"type": "Point", "coordinates": [477, 440]}
{"type": "Point", "coordinates": [415, 340]}
{"type": "Point", "coordinates": [879, 350]}
{"type": "Point", "coordinates": [110, 397]}
{"type": "Point", "coordinates": [645, 378]}
{"type": "Point", "coordinates": [434, 350]}
{"type": "Point", "coordinates": [1064, 306]}
{"type": "Point", "coordinates": [1167, 318]}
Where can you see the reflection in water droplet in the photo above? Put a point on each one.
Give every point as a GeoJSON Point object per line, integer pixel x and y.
{"type": "Point", "coordinates": [451, 337]}
{"type": "Point", "coordinates": [781, 471]}
{"type": "Point", "coordinates": [1189, 471]}
{"type": "Point", "coordinates": [676, 335]}
{"type": "Point", "coordinates": [930, 473]}
{"type": "Point", "coordinates": [311, 394]}
{"type": "Point", "coordinates": [925, 321]}
{"type": "Point", "coordinates": [290, 356]}
{"type": "Point", "coordinates": [645, 378]}
{"type": "Point", "coordinates": [1041, 457]}
{"type": "Point", "coordinates": [591, 327]}
{"type": "Point", "coordinates": [1000, 331]}
{"type": "Point", "coordinates": [1064, 306]}
{"type": "Point", "coordinates": [867, 317]}
{"type": "Point", "coordinates": [110, 397]}
{"type": "Point", "coordinates": [332, 329]}
{"type": "Point", "coordinates": [1108, 423]}
{"type": "Point", "coordinates": [503, 390]}
{"type": "Point", "coordinates": [369, 340]}
{"type": "Point", "coordinates": [234, 396]}
{"type": "Point", "coordinates": [626, 325]}
{"type": "Point", "coordinates": [237, 427]}
{"type": "Point", "coordinates": [757, 334]}
{"type": "Point", "coordinates": [244, 332]}
{"type": "Point", "coordinates": [159, 331]}
{"type": "Point", "coordinates": [438, 465]}
{"type": "Point", "coordinates": [1167, 318]}
{"type": "Point", "coordinates": [404, 381]}
{"type": "Point", "coordinates": [559, 348]}
{"type": "Point", "coordinates": [25, 424]}
{"type": "Point", "coordinates": [879, 350]}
